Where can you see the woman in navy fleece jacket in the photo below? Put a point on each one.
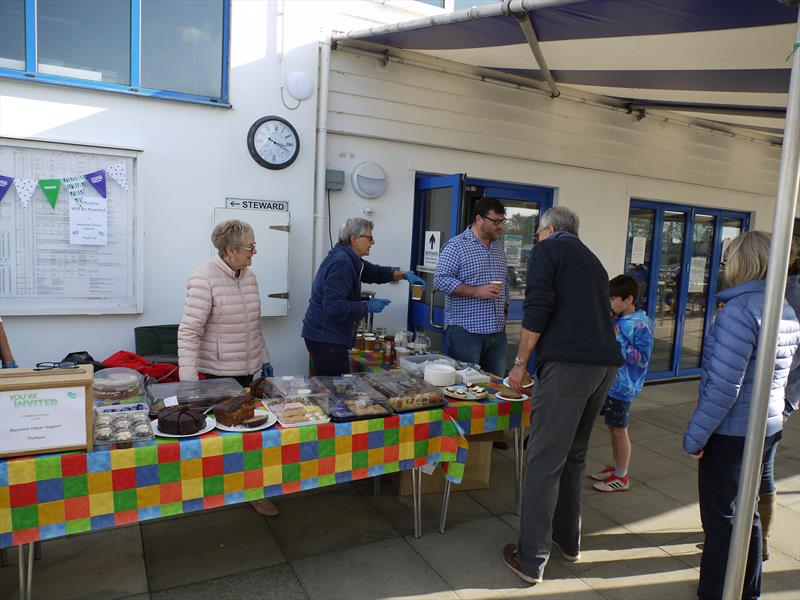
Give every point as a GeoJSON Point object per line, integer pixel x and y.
{"type": "Point", "coordinates": [716, 431]}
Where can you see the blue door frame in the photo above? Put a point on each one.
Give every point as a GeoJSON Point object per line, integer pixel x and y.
{"type": "Point", "coordinates": [419, 312]}
{"type": "Point", "coordinates": [655, 268]}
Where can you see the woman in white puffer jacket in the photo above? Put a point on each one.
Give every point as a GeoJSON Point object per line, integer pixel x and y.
{"type": "Point", "coordinates": [220, 332]}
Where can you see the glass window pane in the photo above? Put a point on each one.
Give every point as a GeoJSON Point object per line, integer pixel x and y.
{"type": "Point", "coordinates": [639, 250]}
{"type": "Point", "coordinates": [731, 227]}
{"type": "Point", "coordinates": [699, 272]}
{"type": "Point", "coordinates": [462, 4]}
{"type": "Point", "coordinates": [668, 292]}
{"type": "Point", "coordinates": [439, 3]}
{"type": "Point", "coordinates": [182, 46]}
{"type": "Point", "coordinates": [12, 34]}
{"type": "Point", "coordinates": [85, 39]}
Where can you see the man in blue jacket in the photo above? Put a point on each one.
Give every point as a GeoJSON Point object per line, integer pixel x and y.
{"type": "Point", "coordinates": [335, 306]}
{"type": "Point", "coordinates": [567, 319]}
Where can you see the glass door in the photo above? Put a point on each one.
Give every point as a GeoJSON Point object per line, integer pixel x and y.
{"type": "Point", "coordinates": [675, 253]}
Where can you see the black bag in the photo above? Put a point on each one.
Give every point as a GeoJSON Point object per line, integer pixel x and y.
{"type": "Point", "coordinates": [84, 358]}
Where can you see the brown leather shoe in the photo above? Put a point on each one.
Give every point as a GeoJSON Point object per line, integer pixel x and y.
{"type": "Point", "coordinates": [265, 507]}
{"type": "Point", "coordinates": [510, 558]}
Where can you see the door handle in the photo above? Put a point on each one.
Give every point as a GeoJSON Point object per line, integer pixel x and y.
{"type": "Point", "coordinates": [430, 313]}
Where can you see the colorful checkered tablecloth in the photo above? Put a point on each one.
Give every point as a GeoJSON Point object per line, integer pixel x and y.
{"type": "Point", "coordinates": [54, 495]}
{"type": "Point", "coordinates": [492, 414]}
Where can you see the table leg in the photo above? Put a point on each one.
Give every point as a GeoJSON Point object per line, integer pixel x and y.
{"type": "Point", "coordinates": [29, 589]}
{"type": "Point", "coordinates": [445, 503]}
{"type": "Point", "coordinates": [416, 491]}
{"type": "Point", "coordinates": [519, 466]}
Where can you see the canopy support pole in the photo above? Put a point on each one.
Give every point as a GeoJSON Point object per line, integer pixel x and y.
{"type": "Point", "coordinates": [785, 203]}
{"type": "Point", "coordinates": [533, 41]}
{"type": "Point", "coordinates": [320, 219]}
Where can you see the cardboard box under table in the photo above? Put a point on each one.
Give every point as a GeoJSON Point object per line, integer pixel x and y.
{"type": "Point", "coordinates": [45, 411]}
{"type": "Point", "coordinates": [477, 470]}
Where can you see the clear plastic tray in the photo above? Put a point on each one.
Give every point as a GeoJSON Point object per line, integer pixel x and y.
{"type": "Point", "coordinates": [122, 428]}
{"type": "Point", "coordinates": [352, 399]}
{"type": "Point", "coordinates": [199, 394]}
{"type": "Point", "coordinates": [415, 365]}
{"type": "Point", "coordinates": [117, 385]}
{"type": "Point", "coordinates": [292, 385]}
{"type": "Point", "coordinates": [296, 411]}
{"type": "Point", "coordinates": [403, 392]}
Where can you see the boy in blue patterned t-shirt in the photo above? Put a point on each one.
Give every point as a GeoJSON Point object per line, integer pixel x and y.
{"type": "Point", "coordinates": [634, 330]}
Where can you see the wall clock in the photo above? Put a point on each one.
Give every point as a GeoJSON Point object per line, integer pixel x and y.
{"type": "Point", "coordinates": [273, 142]}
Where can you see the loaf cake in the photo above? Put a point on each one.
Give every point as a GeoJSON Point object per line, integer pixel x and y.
{"type": "Point", "coordinates": [234, 411]}
{"type": "Point", "coordinates": [181, 420]}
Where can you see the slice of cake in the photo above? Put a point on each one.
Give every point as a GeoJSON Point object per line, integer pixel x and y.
{"type": "Point", "coordinates": [181, 420]}
{"type": "Point", "coordinates": [236, 410]}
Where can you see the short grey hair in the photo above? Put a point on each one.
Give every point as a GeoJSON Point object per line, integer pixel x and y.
{"type": "Point", "coordinates": [354, 226]}
{"type": "Point", "coordinates": [229, 234]}
{"type": "Point", "coordinates": [562, 219]}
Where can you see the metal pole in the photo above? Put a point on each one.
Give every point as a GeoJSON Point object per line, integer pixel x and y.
{"type": "Point", "coordinates": [788, 185]}
{"type": "Point", "coordinates": [320, 218]}
{"type": "Point", "coordinates": [460, 16]}
{"type": "Point", "coordinates": [533, 41]}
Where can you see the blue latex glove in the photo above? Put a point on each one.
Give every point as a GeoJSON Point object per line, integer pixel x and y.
{"type": "Point", "coordinates": [414, 279]}
{"type": "Point", "coordinates": [266, 370]}
{"type": "Point", "coordinates": [376, 305]}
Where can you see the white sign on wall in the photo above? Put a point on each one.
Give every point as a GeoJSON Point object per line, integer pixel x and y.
{"type": "Point", "coordinates": [432, 242]}
{"type": "Point", "coordinates": [268, 205]}
{"type": "Point", "coordinates": [43, 418]}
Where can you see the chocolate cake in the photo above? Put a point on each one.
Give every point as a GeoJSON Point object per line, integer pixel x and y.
{"type": "Point", "coordinates": [234, 411]}
{"type": "Point", "coordinates": [181, 420]}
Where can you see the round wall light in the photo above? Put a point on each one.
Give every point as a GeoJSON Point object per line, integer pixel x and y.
{"type": "Point", "coordinates": [299, 85]}
{"type": "Point", "coordinates": [369, 180]}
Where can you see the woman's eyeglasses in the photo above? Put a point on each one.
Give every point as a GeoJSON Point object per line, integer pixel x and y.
{"type": "Point", "coordinates": [369, 237]}
{"type": "Point", "coordinates": [64, 364]}
{"type": "Point", "coordinates": [250, 247]}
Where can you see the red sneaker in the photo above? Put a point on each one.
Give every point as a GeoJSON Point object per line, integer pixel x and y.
{"type": "Point", "coordinates": [604, 474]}
{"type": "Point", "coordinates": [613, 484]}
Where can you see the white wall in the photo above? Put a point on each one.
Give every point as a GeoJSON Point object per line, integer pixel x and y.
{"type": "Point", "coordinates": [405, 119]}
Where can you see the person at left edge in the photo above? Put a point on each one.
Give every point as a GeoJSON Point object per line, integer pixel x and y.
{"type": "Point", "coordinates": [220, 333]}
{"type": "Point", "coordinates": [335, 306]}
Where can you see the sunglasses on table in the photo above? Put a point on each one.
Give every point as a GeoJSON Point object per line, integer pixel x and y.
{"type": "Point", "coordinates": [46, 366]}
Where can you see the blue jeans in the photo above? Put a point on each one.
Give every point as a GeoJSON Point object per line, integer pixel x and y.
{"type": "Point", "coordinates": [485, 349]}
{"type": "Point", "coordinates": [718, 480]}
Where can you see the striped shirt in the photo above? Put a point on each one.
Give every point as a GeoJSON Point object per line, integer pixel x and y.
{"type": "Point", "coordinates": [465, 259]}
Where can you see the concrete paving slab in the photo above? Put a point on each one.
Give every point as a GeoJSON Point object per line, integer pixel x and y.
{"type": "Point", "coordinates": [785, 533]}
{"type": "Point", "coordinates": [681, 487]}
{"type": "Point", "coordinates": [101, 565]}
{"type": "Point", "coordinates": [399, 511]}
{"type": "Point", "coordinates": [327, 522]}
{"type": "Point", "coordinates": [645, 464]}
{"type": "Point", "coordinates": [499, 497]}
{"type": "Point", "coordinates": [674, 421]}
{"type": "Point", "coordinates": [272, 583]}
{"type": "Point", "coordinates": [387, 569]}
{"type": "Point", "coordinates": [669, 447]}
{"type": "Point", "coordinates": [209, 546]}
{"type": "Point", "coordinates": [663, 577]}
{"type": "Point", "coordinates": [639, 430]}
{"type": "Point", "coordinates": [779, 580]}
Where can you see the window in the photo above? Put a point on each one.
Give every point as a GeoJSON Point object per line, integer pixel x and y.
{"type": "Point", "coordinates": [170, 49]}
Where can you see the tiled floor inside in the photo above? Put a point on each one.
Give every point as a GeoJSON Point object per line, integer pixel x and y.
{"type": "Point", "coordinates": [344, 542]}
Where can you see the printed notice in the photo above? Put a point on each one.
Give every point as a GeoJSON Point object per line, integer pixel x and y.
{"type": "Point", "coordinates": [513, 248]}
{"type": "Point", "coordinates": [432, 245]}
{"type": "Point", "coordinates": [88, 221]}
{"type": "Point", "coordinates": [45, 418]}
{"type": "Point", "coordinates": [638, 247]}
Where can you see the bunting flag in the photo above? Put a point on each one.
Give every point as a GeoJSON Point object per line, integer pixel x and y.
{"type": "Point", "coordinates": [5, 183]}
{"type": "Point", "coordinates": [119, 173]}
{"type": "Point", "coordinates": [50, 187]}
{"type": "Point", "coordinates": [74, 184]}
{"type": "Point", "coordinates": [25, 188]}
{"type": "Point", "coordinates": [97, 181]}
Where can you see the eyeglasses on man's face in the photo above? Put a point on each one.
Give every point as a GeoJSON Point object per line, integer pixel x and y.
{"type": "Point", "coordinates": [495, 221]}
{"type": "Point", "coordinates": [46, 366]}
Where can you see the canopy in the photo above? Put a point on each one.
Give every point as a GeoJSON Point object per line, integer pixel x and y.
{"type": "Point", "coordinates": [719, 60]}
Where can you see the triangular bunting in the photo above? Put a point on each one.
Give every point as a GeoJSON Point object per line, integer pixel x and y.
{"type": "Point", "coordinates": [97, 181]}
{"type": "Point", "coordinates": [5, 184]}
{"type": "Point", "coordinates": [50, 187]}
{"type": "Point", "coordinates": [25, 188]}
{"type": "Point", "coordinates": [119, 173]}
{"type": "Point", "coordinates": [74, 183]}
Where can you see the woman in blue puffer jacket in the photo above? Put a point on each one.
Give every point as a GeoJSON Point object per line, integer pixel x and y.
{"type": "Point", "coordinates": [716, 431]}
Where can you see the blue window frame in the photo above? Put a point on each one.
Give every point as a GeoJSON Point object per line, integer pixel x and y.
{"type": "Point", "coordinates": [177, 50]}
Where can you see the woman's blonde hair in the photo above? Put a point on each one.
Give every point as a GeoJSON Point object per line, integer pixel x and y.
{"type": "Point", "coordinates": [230, 234]}
{"type": "Point", "coordinates": [747, 257]}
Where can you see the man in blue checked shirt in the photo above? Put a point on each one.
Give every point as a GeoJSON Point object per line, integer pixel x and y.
{"type": "Point", "coordinates": [472, 273]}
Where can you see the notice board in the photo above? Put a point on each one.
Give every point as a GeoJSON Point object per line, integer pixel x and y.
{"type": "Point", "coordinates": [41, 273]}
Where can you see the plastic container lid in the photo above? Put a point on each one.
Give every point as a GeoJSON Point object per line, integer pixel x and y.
{"type": "Point", "coordinates": [116, 379]}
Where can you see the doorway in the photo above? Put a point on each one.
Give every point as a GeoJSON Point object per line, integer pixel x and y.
{"type": "Point", "coordinates": [443, 209]}
{"type": "Point", "coordinates": [675, 253]}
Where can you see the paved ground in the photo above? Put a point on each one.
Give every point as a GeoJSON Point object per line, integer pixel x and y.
{"type": "Point", "coordinates": [343, 542]}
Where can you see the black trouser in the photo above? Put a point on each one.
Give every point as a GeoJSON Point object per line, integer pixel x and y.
{"type": "Point", "coordinates": [329, 359]}
{"type": "Point", "coordinates": [244, 380]}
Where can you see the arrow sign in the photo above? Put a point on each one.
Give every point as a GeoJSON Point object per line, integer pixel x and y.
{"type": "Point", "coordinates": [432, 245]}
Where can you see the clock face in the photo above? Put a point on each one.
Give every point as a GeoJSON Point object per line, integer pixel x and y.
{"type": "Point", "coordinates": [273, 142]}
